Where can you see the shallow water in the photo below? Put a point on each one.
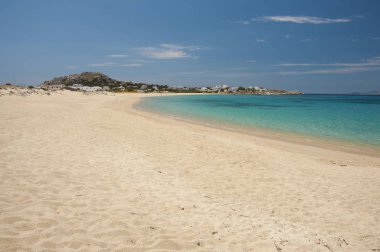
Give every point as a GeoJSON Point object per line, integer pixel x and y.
{"type": "Point", "coordinates": [342, 117]}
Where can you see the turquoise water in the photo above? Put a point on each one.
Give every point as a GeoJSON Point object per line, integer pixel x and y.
{"type": "Point", "coordinates": [342, 117]}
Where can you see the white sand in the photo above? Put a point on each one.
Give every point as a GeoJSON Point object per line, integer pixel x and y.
{"type": "Point", "coordinates": [91, 173]}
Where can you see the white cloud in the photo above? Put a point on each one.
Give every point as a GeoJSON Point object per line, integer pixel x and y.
{"type": "Point", "coordinates": [288, 36]}
{"type": "Point", "coordinates": [331, 71]}
{"type": "Point", "coordinates": [302, 19]}
{"type": "Point", "coordinates": [117, 55]}
{"type": "Point", "coordinates": [243, 22]}
{"type": "Point", "coordinates": [132, 65]}
{"type": "Point", "coordinates": [252, 61]}
{"type": "Point", "coordinates": [160, 53]}
{"type": "Point", "coordinates": [180, 47]}
{"type": "Point", "coordinates": [103, 64]}
{"type": "Point", "coordinates": [370, 64]}
{"type": "Point", "coordinates": [261, 40]}
{"type": "Point", "coordinates": [375, 60]}
{"type": "Point", "coordinates": [168, 51]}
{"type": "Point", "coordinates": [300, 64]}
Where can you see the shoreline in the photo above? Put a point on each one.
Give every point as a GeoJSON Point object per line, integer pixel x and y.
{"type": "Point", "coordinates": [272, 134]}
{"type": "Point", "coordinates": [90, 172]}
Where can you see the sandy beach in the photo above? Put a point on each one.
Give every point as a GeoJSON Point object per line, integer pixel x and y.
{"type": "Point", "coordinates": [92, 173]}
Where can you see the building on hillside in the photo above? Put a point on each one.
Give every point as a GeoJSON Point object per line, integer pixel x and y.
{"type": "Point", "coordinates": [233, 89]}
{"type": "Point", "coordinates": [216, 88]}
{"type": "Point", "coordinates": [76, 86]}
{"type": "Point", "coordinates": [143, 87]}
{"type": "Point", "coordinates": [55, 87]}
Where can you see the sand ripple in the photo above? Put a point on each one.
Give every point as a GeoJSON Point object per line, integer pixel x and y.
{"type": "Point", "coordinates": [89, 174]}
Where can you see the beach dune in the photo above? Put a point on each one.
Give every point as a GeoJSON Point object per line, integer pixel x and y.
{"type": "Point", "coordinates": [91, 173]}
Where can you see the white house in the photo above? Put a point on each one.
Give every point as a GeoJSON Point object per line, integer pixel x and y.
{"type": "Point", "coordinates": [216, 88]}
{"type": "Point", "coordinates": [76, 86]}
{"type": "Point", "coordinates": [233, 89]}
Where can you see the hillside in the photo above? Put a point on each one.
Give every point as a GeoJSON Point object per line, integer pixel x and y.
{"type": "Point", "coordinates": [85, 78]}
{"type": "Point", "coordinates": [95, 81]}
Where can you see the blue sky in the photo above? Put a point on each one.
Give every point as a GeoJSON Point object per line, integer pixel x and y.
{"type": "Point", "coordinates": [313, 46]}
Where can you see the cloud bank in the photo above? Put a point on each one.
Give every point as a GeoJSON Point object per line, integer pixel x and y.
{"type": "Point", "coordinates": [118, 56]}
{"type": "Point", "coordinates": [371, 64]}
{"type": "Point", "coordinates": [302, 19]}
{"type": "Point", "coordinates": [132, 65]}
{"type": "Point", "coordinates": [103, 64]}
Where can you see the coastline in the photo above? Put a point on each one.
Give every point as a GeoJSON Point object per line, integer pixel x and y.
{"type": "Point", "coordinates": [271, 134]}
{"type": "Point", "coordinates": [93, 173]}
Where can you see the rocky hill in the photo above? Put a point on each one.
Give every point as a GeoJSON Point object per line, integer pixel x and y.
{"type": "Point", "coordinates": [95, 81]}
{"type": "Point", "coordinates": [85, 78]}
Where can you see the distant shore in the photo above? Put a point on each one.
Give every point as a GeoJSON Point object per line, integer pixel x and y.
{"type": "Point", "coordinates": [84, 172]}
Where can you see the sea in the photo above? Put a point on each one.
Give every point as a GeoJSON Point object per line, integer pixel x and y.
{"type": "Point", "coordinates": [351, 118]}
